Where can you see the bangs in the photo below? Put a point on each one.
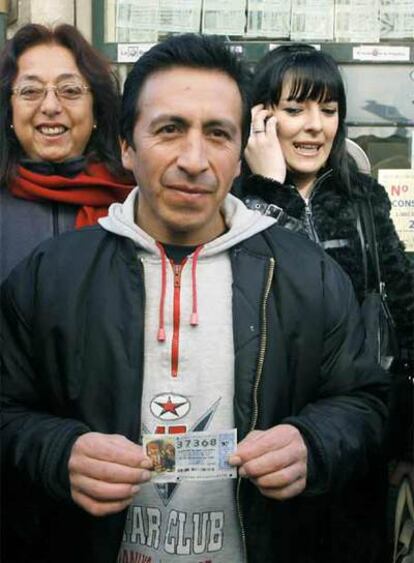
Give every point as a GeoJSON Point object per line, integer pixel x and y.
{"type": "Point", "coordinates": [309, 83]}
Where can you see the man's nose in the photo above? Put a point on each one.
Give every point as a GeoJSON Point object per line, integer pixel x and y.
{"type": "Point", "coordinates": [51, 104]}
{"type": "Point", "coordinates": [193, 157]}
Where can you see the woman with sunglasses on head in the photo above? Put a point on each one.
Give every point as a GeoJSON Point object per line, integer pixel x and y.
{"type": "Point", "coordinates": [59, 155]}
{"type": "Point", "coordinates": [298, 169]}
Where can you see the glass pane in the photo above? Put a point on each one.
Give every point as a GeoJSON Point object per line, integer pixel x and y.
{"type": "Point", "coordinates": [380, 94]}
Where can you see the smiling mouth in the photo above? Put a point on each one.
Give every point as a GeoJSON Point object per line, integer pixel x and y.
{"type": "Point", "coordinates": [307, 148]}
{"type": "Point", "coordinates": [51, 131]}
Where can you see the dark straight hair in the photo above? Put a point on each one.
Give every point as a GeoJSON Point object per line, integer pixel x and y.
{"type": "Point", "coordinates": [191, 51]}
{"type": "Point", "coordinates": [103, 145]}
{"type": "Point", "coordinates": [312, 75]}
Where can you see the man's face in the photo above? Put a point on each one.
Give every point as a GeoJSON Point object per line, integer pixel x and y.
{"type": "Point", "coordinates": [186, 154]}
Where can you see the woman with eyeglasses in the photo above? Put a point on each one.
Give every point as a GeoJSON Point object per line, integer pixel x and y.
{"type": "Point", "coordinates": [60, 168]}
{"type": "Point", "coordinates": [299, 171]}
{"type": "Point", "coordinates": [59, 155]}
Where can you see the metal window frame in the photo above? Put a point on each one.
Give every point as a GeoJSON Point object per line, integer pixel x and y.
{"type": "Point", "coordinates": [252, 49]}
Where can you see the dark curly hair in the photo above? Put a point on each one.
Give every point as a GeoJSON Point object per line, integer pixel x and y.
{"type": "Point", "coordinates": [103, 145]}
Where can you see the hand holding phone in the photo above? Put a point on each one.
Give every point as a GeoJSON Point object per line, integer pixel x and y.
{"type": "Point", "coordinates": [263, 152]}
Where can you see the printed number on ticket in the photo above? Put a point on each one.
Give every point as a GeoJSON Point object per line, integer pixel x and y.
{"type": "Point", "coordinates": [195, 455]}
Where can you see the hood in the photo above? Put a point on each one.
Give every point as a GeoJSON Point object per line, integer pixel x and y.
{"type": "Point", "coordinates": [242, 223]}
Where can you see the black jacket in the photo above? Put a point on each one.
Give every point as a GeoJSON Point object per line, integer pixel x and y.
{"type": "Point", "coordinates": [72, 345]}
{"type": "Point", "coordinates": [24, 224]}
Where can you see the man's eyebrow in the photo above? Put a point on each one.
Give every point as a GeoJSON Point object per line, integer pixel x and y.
{"type": "Point", "coordinates": [167, 117]}
{"type": "Point", "coordinates": [226, 123]}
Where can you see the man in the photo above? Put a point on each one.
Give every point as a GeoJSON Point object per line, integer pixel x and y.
{"type": "Point", "coordinates": [184, 312]}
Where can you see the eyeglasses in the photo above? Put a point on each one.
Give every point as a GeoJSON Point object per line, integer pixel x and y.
{"type": "Point", "coordinates": [67, 91]}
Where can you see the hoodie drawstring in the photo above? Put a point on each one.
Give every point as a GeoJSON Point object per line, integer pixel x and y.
{"type": "Point", "coordinates": [194, 312]}
{"type": "Point", "coordinates": [161, 326]}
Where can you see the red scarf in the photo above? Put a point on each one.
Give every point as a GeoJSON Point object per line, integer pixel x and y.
{"type": "Point", "coordinates": [93, 190]}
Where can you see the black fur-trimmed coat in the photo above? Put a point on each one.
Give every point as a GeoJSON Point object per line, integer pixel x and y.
{"type": "Point", "coordinates": [332, 213]}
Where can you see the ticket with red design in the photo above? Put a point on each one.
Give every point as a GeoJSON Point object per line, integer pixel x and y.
{"type": "Point", "coordinates": [192, 456]}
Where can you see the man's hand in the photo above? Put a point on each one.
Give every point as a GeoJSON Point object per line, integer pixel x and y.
{"type": "Point", "coordinates": [275, 460]}
{"type": "Point", "coordinates": [105, 471]}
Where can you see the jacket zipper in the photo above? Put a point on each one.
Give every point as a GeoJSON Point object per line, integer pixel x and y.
{"type": "Point", "coordinates": [309, 225]}
{"type": "Point", "coordinates": [177, 269]}
{"type": "Point", "coordinates": [55, 219]}
{"type": "Point", "coordinates": [141, 275]}
{"type": "Point", "coordinates": [259, 371]}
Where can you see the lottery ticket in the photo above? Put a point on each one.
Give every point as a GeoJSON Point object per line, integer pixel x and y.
{"type": "Point", "coordinates": [193, 456]}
